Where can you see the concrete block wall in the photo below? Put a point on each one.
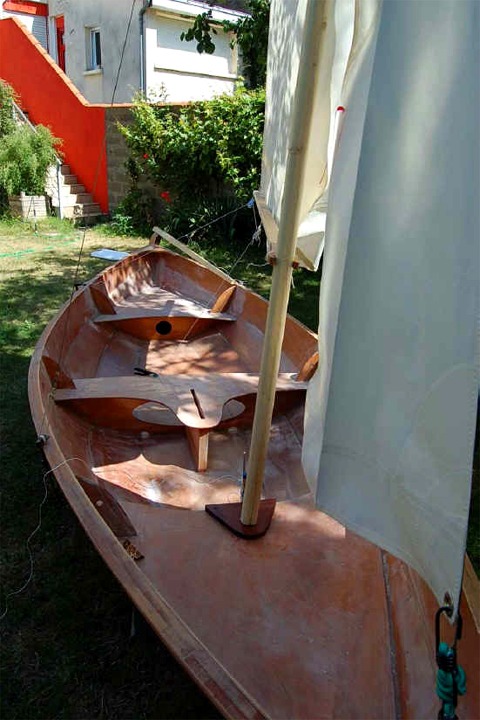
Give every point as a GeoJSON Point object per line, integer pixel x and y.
{"type": "Point", "coordinates": [117, 153]}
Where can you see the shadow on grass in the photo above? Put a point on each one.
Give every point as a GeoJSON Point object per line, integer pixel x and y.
{"type": "Point", "coordinates": [66, 650]}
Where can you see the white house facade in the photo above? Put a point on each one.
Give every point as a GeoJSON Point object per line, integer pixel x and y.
{"type": "Point", "coordinates": [175, 65]}
{"type": "Point", "coordinates": [87, 40]}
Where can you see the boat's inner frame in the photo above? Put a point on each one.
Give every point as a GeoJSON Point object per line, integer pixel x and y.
{"type": "Point", "coordinates": [159, 358]}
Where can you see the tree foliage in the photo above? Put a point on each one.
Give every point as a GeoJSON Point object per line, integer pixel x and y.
{"type": "Point", "coordinates": [7, 98]}
{"type": "Point", "coordinates": [202, 31]}
{"type": "Point", "coordinates": [250, 33]}
{"type": "Point", "coordinates": [25, 157]}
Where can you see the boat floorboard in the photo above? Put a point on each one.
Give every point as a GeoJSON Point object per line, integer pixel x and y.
{"type": "Point", "coordinates": [196, 356]}
{"type": "Point", "coordinates": [304, 606]}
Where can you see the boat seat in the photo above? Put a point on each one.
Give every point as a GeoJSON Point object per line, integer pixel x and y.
{"type": "Point", "coordinates": [196, 400]}
{"type": "Point", "coordinates": [156, 324]}
{"type": "Point", "coordinates": [165, 316]}
{"type": "Point", "coordinates": [135, 313]}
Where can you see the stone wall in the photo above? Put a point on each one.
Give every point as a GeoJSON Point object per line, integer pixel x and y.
{"type": "Point", "coordinates": [117, 153]}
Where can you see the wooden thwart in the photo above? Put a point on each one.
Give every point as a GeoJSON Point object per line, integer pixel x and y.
{"type": "Point", "coordinates": [159, 314]}
{"type": "Point", "coordinates": [157, 326]}
{"type": "Point", "coordinates": [163, 316]}
{"type": "Point", "coordinates": [197, 401]}
{"type": "Point", "coordinates": [211, 392]}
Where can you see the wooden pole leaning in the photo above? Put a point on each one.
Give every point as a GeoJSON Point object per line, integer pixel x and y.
{"type": "Point", "coordinates": [315, 25]}
{"type": "Point", "coordinates": [191, 253]}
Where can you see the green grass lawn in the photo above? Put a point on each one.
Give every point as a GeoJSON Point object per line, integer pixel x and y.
{"type": "Point", "coordinates": [67, 650]}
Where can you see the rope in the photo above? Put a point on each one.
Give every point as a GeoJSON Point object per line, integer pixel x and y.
{"type": "Point", "coordinates": [123, 50]}
{"type": "Point", "coordinates": [27, 582]}
{"type": "Point", "coordinates": [202, 227]}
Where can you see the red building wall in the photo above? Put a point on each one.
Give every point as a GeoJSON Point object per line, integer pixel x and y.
{"type": "Point", "coordinates": [51, 99]}
{"type": "Point", "coordinates": [27, 7]}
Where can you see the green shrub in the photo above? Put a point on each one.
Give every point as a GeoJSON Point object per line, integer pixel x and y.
{"type": "Point", "coordinates": [204, 149]}
{"type": "Point", "coordinates": [133, 215]}
{"type": "Point", "coordinates": [208, 220]}
{"type": "Point", "coordinates": [25, 157]}
{"type": "Point", "coordinates": [7, 98]}
{"type": "Point", "coordinates": [191, 164]}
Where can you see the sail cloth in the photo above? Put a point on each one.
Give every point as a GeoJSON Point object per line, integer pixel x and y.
{"type": "Point", "coordinates": [390, 420]}
{"type": "Point", "coordinates": [287, 22]}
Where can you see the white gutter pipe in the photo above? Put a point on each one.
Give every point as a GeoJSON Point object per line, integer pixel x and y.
{"type": "Point", "coordinates": [147, 4]}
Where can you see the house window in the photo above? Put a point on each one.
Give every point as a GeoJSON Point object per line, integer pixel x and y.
{"type": "Point", "coordinates": [94, 49]}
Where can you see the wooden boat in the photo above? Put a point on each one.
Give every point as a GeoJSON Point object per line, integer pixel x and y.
{"type": "Point", "coordinates": [310, 621]}
{"type": "Point", "coordinates": [143, 392]}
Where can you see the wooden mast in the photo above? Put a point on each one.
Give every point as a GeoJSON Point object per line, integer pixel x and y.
{"type": "Point", "coordinates": [315, 26]}
{"type": "Point", "coordinates": [244, 519]}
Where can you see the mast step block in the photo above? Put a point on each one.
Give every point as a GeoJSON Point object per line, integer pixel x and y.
{"type": "Point", "coordinates": [229, 515]}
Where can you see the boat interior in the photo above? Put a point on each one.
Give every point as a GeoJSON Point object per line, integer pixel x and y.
{"type": "Point", "coordinates": [149, 379]}
{"type": "Point", "coordinates": [157, 361]}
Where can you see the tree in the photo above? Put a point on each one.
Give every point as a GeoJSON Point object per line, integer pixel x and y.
{"type": "Point", "coordinates": [250, 33]}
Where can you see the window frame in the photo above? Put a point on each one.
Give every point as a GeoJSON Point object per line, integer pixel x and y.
{"type": "Point", "coordinates": [94, 48]}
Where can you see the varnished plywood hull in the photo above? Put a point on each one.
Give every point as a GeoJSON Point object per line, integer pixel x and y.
{"type": "Point", "coordinates": [308, 622]}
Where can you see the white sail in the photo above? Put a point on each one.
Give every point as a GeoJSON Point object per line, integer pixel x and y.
{"type": "Point", "coordinates": [391, 410]}
{"type": "Point", "coordinates": [287, 22]}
